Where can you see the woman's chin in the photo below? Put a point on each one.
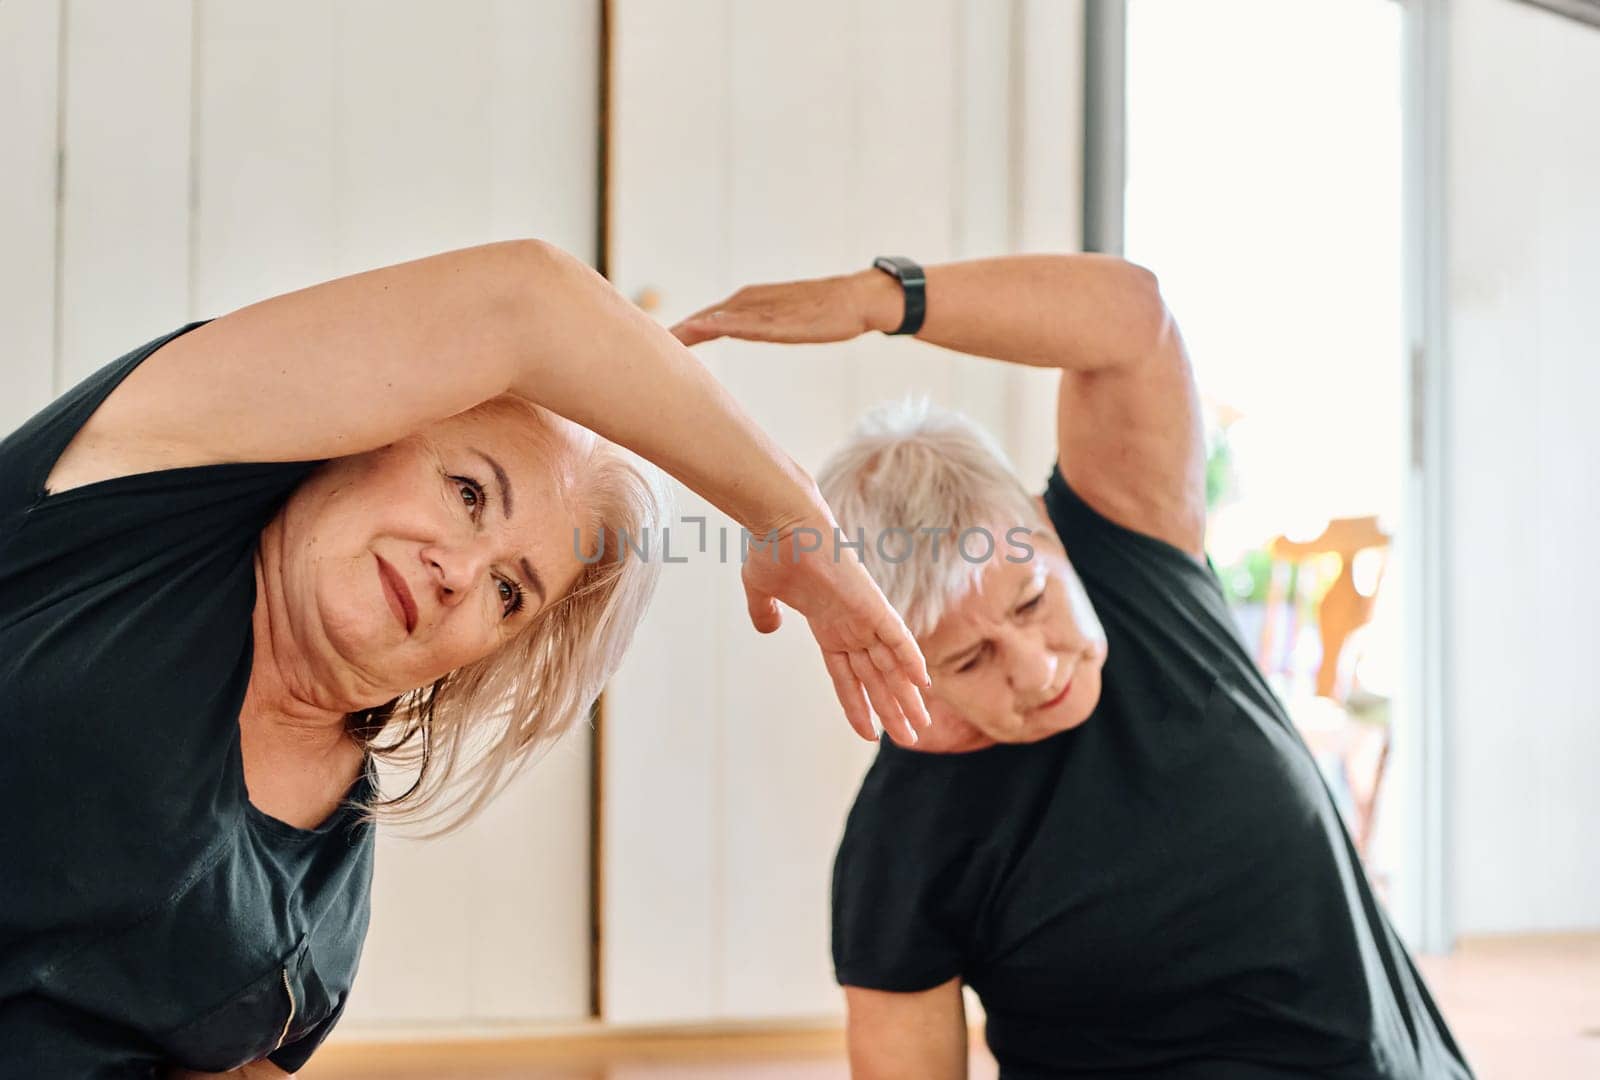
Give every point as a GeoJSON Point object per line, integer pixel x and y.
{"type": "Point", "coordinates": [1064, 717]}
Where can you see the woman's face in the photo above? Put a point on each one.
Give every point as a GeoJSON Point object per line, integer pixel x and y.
{"type": "Point", "coordinates": [392, 568]}
{"type": "Point", "coordinates": [1018, 658]}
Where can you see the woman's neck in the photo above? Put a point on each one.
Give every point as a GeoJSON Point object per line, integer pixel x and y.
{"type": "Point", "coordinates": [274, 704]}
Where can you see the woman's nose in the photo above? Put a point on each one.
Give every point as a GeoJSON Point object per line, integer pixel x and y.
{"type": "Point", "coordinates": [1033, 668]}
{"type": "Point", "coordinates": [455, 570]}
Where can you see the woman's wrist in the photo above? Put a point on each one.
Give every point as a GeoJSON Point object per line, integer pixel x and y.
{"type": "Point", "coordinates": [879, 299]}
{"type": "Point", "coordinates": [805, 509]}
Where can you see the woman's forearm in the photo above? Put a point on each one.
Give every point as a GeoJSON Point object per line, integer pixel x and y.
{"type": "Point", "coordinates": [597, 360]}
{"type": "Point", "coordinates": [1080, 312]}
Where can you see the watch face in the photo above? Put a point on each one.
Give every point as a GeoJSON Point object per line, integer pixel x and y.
{"type": "Point", "coordinates": [900, 266]}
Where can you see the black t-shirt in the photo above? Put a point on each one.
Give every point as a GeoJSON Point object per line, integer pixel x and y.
{"type": "Point", "coordinates": [149, 914]}
{"type": "Point", "coordinates": [1164, 891]}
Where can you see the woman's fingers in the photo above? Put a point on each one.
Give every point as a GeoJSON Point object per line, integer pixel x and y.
{"type": "Point", "coordinates": [911, 702]}
{"type": "Point", "coordinates": [695, 330]}
{"type": "Point", "coordinates": [898, 657]}
{"type": "Point", "coordinates": [794, 312]}
{"type": "Point", "coordinates": [736, 316]}
{"type": "Point", "coordinates": [896, 637]}
{"type": "Point", "coordinates": [884, 701]}
{"type": "Point", "coordinates": [851, 695]}
{"type": "Point", "coordinates": [904, 690]}
{"type": "Point", "coordinates": [895, 678]}
{"type": "Point", "coordinates": [708, 324]}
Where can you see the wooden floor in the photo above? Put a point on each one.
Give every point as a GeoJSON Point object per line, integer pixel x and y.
{"type": "Point", "coordinates": [1524, 1008]}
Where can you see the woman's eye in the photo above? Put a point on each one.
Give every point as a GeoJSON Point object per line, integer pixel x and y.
{"type": "Point", "coordinates": [510, 596]}
{"type": "Point", "coordinates": [970, 664]}
{"type": "Point", "coordinates": [471, 493]}
{"type": "Point", "coordinates": [1028, 607]}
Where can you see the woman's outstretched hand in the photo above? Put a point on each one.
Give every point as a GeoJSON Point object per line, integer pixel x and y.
{"type": "Point", "coordinates": [869, 653]}
{"type": "Point", "coordinates": [801, 312]}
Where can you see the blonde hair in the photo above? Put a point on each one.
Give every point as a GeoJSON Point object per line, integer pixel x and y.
{"type": "Point", "coordinates": [913, 467]}
{"type": "Point", "coordinates": [467, 735]}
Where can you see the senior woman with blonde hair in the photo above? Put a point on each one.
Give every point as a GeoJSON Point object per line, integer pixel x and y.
{"type": "Point", "coordinates": [356, 522]}
{"type": "Point", "coordinates": [1112, 832]}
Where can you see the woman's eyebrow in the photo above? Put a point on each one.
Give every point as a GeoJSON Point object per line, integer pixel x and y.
{"type": "Point", "coordinates": [534, 580]}
{"type": "Point", "coordinates": [500, 478]}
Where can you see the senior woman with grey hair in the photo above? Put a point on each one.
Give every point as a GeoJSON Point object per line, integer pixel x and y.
{"type": "Point", "coordinates": [1112, 832]}
{"type": "Point", "coordinates": [356, 522]}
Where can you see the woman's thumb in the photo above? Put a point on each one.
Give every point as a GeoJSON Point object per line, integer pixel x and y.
{"type": "Point", "coordinates": [764, 613]}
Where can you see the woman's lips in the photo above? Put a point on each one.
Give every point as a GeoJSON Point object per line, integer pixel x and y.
{"type": "Point", "coordinates": [398, 595]}
{"type": "Point", "coordinates": [1053, 702]}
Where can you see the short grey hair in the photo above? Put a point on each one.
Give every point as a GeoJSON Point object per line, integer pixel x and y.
{"type": "Point", "coordinates": [911, 466]}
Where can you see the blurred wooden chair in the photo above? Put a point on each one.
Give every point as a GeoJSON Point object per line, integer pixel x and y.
{"type": "Point", "coordinates": [1358, 749]}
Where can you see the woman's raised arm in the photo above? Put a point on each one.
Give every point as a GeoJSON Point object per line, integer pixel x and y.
{"type": "Point", "coordinates": [1128, 421]}
{"type": "Point", "coordinates": [360, 362]}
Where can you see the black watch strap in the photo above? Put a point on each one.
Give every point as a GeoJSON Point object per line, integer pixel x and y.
{"type": "Point", "coordinates": [913, 283]}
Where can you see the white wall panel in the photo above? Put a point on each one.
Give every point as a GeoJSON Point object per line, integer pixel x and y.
{"type": "Point", "coordinates": [806, 200]}
{"type": "Point", "coordinates": [982, 204]}
{"type": "Point", "coordinates": [125, 214]}
{"type": "Point", "coordinates": [1523, 250]}
{"type": "Point", "coordinates": [266, 151]}
{"type": "Point", "coordinates": [30, 52]}
{"type": "Point", "coordinates": [544, 115]}
{"type": "Point", "coordinates": [661, 885]}
{"type": "Point", "coordinates": [1048, 189]}
{"type": "Point", "coordinates": [905, 201]}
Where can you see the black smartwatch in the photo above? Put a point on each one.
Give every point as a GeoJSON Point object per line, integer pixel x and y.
{"type": "Point", "coordinates": [913, 283]}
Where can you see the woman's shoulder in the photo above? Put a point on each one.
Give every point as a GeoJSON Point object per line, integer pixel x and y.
{"type": "Point", "coordinates": [1090, 520]}
{"type": "Point", "coordinates": [948, 800]}
{"type": "Point", "coordinates": [31, 452]}
{"type": "Point", "coordinates": [1124, 570]}
{"type": "Point", "coordinates": [68, 531]}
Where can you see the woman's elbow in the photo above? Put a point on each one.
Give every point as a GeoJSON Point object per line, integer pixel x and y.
{"type": "Point", "coordinates": [541, 258]}
{"type": "Point", "coordinates": [531, 273]}
{"type": "Point", "coordinates": [1146, 322]}
{"type": "Point", "coordinates": [1145, 289]}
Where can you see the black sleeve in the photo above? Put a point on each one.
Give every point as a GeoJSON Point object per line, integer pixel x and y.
{"type": "Point", "coordinates": [905, 885]}
{"type": "Point", "coordinates": [1102, 549]}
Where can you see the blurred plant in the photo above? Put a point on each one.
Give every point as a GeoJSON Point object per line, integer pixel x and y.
{"type": "Point", "coordinates": [1248, 579]}
{"type": "Point", "coordinates": [1222, 480]}
{"type": "Point", "coordinates": [1244, 580]}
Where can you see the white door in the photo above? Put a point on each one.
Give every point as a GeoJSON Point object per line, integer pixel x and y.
{"type": "Point", "coordinates": [765, 141]}
{"type": "Point", "coordinates": [29, 68]}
